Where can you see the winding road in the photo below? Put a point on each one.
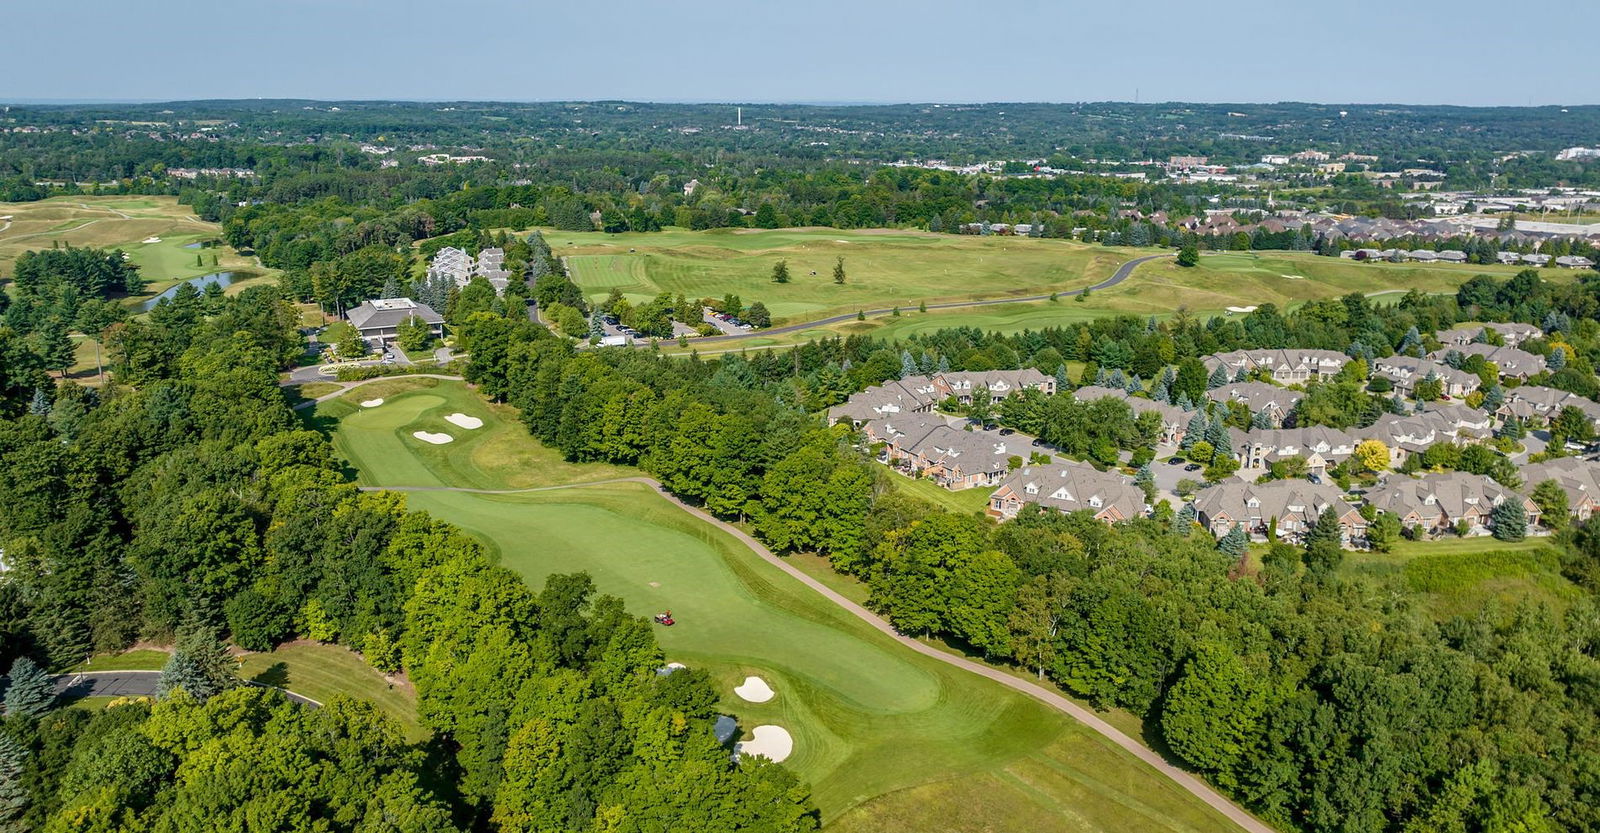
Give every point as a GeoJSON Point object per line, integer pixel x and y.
{"type": "Point", "coordinates": [1122, 274]}
{"type": "Point", "coordinates": [1199, 789]}
{"type": "Point", "coordinates": [134, 684]}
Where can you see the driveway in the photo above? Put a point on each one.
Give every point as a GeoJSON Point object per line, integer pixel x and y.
{"type": "Point", "coordinates": [132, 684]}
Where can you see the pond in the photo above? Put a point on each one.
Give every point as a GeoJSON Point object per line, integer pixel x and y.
{"type": "Point", "coordinates": [200, 284]}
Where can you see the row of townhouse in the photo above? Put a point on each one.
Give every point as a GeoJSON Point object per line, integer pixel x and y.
{"type": "Point", "coordinates": [1577, 477]}
{"type": "Point", "coordinates": [1406, 371]}
{"type": "Point", "coordinates": [1437, 503]}
{"type": "Point", "coordinates": [1286, 367]}
{"type": "Point", "coordinates": [455, 265]}
{"type": "Point", "coordinates": [925, 445]}
{"type": "Point", "coordinates": [1260, 398]}
{"type": "Point", "coordinates": [1536, 405]}
{"type": "Point", "coordinates": [1513, 362]}
{"type": "Point", "coordinates": [1514, 334]}
{"type": "Point", "coordinates": [1324, 448]}
{"type": "Point", "coordinates": [1292, 507]}
{"type": "Point", "coordinates": [1068, 486]}
{"type": "Point", "coordinates": [919, 394]}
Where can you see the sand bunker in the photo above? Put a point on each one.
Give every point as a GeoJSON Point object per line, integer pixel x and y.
{"type": "Point", "coordinates": [669, 668]}
{"type": "Point", "coordinates": [724, 728]}
{"type": "Point", "coordinates": [754, 690]}
{"type": "Point", "coordinates": [463, 421]}
{"type": "Point", "coordinates": [436, 439]}
{"type": "Point", "coordinates": [372, 403]}
{"type": "Point", "coordinates": [771, 742]}
{"type": "Point", "coordinates": [152, 240]}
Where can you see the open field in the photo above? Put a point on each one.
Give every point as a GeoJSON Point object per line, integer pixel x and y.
{"type": "Point", "coordinates": [884, 267]}
{"type": "Point", "coordinates": [124, 222]}
{"type": "Point", "coordinates": [324, 671]}
{"type": "Point", "coordinates": [890, 739]}
{"type": "Point", "coordinates": [1458, 576]}
{"type": "Point", "coordinates": [1159, 288]}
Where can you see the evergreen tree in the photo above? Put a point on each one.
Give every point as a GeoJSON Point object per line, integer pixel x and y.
{"type": "Point", "coordinates": [1145, 479]}
{"type": "Point", "coordinates": [1509, 520]}
{"type": "Point", "coordinates": [1512, 429]}
{"type": "Point", "coordinates": [1196, 430]}
{"type": "Point", "coordinates": [40, 404]}
{"type": "Point", "coordinates": [1184, 402]}
{"type": "Point", "coordinates": [838, 271]}
{"type": "Point", "coordinates": [1133, 384]}
{"type": "Point", "coordinates": [1161, 393]}
{"type": "Point", "coordinates": [1235, 542]}
{"type": "Point", "coordinates": [908, 365]}
{"type": "Point", "coordinates": [944, 364]}
{"type": "Point", "coordinates": [199, 665]}
{"type": "Point", "coordinates": [1102, 378]}
{"type": "Point", "coordinates": [1260, 421]}
{"type": "Point", "coordinates": [1219, 377]}
{"type": "Point", "coordinates": [1062, 383]}
{"type": "Point", "coordinates": [1493, 397]}
{"type": "Point", "coordinates": [390, 288]}
{"type": "Point", "coordinates": [1185, 519]}
{"type": "Point", "coordinates": [13, 794]}
{"type": "Point", "coordinates": [1558, 357]}
{"type": "Point", "coordinates": [1241, 374]}
{"type": "Point", "coordinates": [29, 690]}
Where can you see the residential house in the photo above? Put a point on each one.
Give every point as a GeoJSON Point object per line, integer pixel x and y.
{"type": "Point", "coordinates": [1405, 372]}
{"type": "Point", "coordinates": [912, 395]}
{"type": "Point", "coordinates": [1574, 262]}
{"type": "Point", "coordinates": [1514, 363]}
{"type": "Point", "coordinates": [1294, 504]}
{"type": "Point", "coordinates": [1536, 405]}
{"type": "Point", "coordinates": [1514, 334]}
{"type": "Point", "coordinates": [453, 264]}
{"type": "Point", "coordinates": [1260, 398]}
{"type": "Point", "coordinates": [1001, 383]}
{"type": "Point", "coordinates": [1174, 420]}
{"type": "Point", "coordinates": [380, 319]}
{"type": "Point", "coordinates": [1322, 447]}
{"type": "Point", "coordinates": [1436, 503]}
{"type": "Point", "coordinates": [962, 459]}
{"type": "Point", "coordinates": [1579, 478]}
{"type": "Point", "coordinates": [1069, 487]}
{"type": "Point", "coordinates": [1286, 367]}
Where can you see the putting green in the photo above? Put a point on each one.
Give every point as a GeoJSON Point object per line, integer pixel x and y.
{"type": "Point", "coordinates": [869, 718]}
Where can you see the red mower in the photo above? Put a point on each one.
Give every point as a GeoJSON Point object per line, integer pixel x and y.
{"type": "Point", "coordinates": [665, 618]}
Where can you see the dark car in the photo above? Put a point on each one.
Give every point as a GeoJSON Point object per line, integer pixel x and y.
{"type": "Point", "coordinates": [1175, 461]}
{"type": "Point", "coordinates": [1192, 467]}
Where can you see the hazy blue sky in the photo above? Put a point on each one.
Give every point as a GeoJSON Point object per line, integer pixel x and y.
{"type": "Point", "coordinates": [1411, 51]}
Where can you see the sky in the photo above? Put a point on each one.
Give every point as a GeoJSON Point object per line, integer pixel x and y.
{"type": "Point", "coordinates": [1358, 51]}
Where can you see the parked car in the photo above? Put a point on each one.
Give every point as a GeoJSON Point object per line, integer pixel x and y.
{"type": "Point", "coordinates": [1192, 467]}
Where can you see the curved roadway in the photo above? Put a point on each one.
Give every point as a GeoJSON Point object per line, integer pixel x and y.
{"type": "Point", "coordinates": [134, 684]}
{"type": "Point", "coordinates": [1122, 274]}
{"type": "Point", "coordinates": [1187, 781]}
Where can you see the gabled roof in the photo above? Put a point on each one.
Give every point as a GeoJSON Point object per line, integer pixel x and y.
{"type": "Point", "coordinates": [1071, 486]}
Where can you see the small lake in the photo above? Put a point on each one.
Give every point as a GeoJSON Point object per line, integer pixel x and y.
{"type": "Point", "coordinates": [200, 284]}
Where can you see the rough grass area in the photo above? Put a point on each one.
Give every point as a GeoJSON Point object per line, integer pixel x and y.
{"type": "Point", "coordinates": [1459, 576]}
{"type": "Point", "coordinates": [870, 719]}
{"type": "Point", "coordinates": [323, 672]}
{"type": "Point", "coordinates": [964, 502]}
{"type": "Point", "coordinates": [125, 223]}
{"type": "Point", "coordinates": [883, 267]}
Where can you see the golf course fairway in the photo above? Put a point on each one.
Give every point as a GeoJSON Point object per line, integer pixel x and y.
{"type": "Point", "coordinates": [888, 739]}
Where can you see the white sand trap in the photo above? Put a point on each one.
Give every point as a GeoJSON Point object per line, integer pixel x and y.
{"type": "Point", "coordinates": [372, 403]}
{"type": "Point", "coordinates": [676, 665]}
{"type": "Point", "coordinates": [436, 439]}
{"type": "Point", "coordinates": [1293, 277]}
{"type": "Point", "coordinates": [754, 690]}
{"type": "Point", "coordinates": [152, 240]}
{"type": "Point", "coordinates": [669, 668]}
{"type": "Point", "coordinates": [460, 420]}
{"type": "Point", "coordinates": [771, 742]}
{"type": "Point", "coordinates": [724, 728]}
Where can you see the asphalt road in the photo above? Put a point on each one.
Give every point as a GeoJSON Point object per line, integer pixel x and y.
{"type": "Point", "coordinates": [131, 684]}
{"type": "Point", "coordinates": [1180, 777]}
{"type": "Point", "coordinates": [1122, 274]}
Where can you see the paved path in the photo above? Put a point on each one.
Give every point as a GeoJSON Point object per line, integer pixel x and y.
{"type": "Point", "coordinates": [1087, 717]}
{"type": "Point", "coordinates": [1117, 277]}
{"type": "Point", "coordinates": [133, 684]}
{"type": "Point", "coordinates": [346, 387]}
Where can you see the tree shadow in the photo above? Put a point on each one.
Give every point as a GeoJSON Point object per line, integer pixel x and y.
{"type": "Point", "coordinates": [276, 675]}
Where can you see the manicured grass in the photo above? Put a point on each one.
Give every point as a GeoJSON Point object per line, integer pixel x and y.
{"type": "Point", "coordinates": [884, 267]}
{"type": "Point", "coordinates": [870, 718]}
{"type": "Point", "coordinates": [125, 223]}
{"type": "Point", "coordinates": [500, 455]}
{"type": "Point", "coordinates": [312, 390]}
{"type": "Point", "coordinates": [964, 502]}
{"type": "Point", "coordinates": [140, 659]}
{"type": "Point", "coordinates": [322, 672]}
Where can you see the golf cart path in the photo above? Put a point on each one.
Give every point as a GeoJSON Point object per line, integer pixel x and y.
{"type": "Point", "coordinates": [1199, 789]}
{"type": "Point", "coordinates": [136, 684]}
{"type": "Point", "coordinates": [1122, 274]}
